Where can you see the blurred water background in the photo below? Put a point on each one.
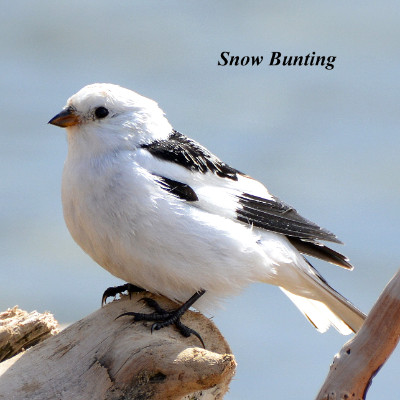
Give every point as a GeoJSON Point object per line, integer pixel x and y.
{"type": "Point", "coordinates": [324, 141]}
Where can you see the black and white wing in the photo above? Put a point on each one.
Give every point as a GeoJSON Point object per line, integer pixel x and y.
{"type": "Point", "coordinates": [189, 171]}
{"type": "Point", "coordinates": [181, 150]}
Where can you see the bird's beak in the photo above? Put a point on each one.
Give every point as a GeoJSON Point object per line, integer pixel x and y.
{"type": "Point", "coordinates": [65, 118]}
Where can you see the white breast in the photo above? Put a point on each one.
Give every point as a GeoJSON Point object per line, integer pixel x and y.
{"type": "Point", "coordinates": [138, 232]}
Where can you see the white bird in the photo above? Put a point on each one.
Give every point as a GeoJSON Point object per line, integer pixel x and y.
{"type": "Point", "coordinates": [161, 212]}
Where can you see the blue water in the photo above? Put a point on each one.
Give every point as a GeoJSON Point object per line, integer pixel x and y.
{"type": "Point", "coordinates": [325, 141]}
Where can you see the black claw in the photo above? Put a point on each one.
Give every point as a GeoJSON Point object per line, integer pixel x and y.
{"type": "Point", "coordinates": [163, 318]}
{"type": "Point", "coordinates": [115, 290]}
{"type": "Point", "coordinates": [186, 331]}
{"type": "Point", "coordinates": [125, 315]}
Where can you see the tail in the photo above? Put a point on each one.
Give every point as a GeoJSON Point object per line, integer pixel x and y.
{"type": "Point", "coordinates": [327, 307]}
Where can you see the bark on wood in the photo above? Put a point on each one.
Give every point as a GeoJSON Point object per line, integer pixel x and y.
{"type": "Point", "coordinates": [361, 358]}
{"type": "Point", "coordinates": [20, 330]}
{"type": "Point", "coordinates": [103, 358]}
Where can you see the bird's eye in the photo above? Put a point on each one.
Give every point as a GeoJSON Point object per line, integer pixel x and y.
{"type": "Point", "coordinates": [101, 112]}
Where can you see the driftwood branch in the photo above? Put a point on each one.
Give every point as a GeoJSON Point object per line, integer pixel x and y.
{"type": "Point", "coordinates": [361, 358]}
{"type": "Point", "coordinates": [103, 358]}
{"type": "Point", "coordinates": [20, 330]}
{"type": "Point", "coordinates": [99, 357]}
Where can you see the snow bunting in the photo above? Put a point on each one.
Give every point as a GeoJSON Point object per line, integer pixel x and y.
{"type": "Point", "coordinates": [161, 212]}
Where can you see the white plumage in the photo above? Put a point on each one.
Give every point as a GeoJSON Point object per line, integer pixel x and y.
{"type": "Point", "coordinates": [159, 211]}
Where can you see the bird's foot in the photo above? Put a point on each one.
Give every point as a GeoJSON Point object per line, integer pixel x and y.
{"type": "Point", "coordinates": [114, 290]}
{"type": "Point", "coordinates": [163, 318]}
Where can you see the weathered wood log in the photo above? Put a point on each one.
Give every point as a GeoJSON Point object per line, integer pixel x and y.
{"type": "Point", "coordinates": [361, 358]}
{"type": "Point", "coordinates": [20, 330]}
{"type": "Point", "coordinates": [100, 357]}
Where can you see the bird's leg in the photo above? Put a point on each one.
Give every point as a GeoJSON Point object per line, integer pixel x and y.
{"type": "Point", "coordinates": [163, 318]}
{"type": "Point", "coordinates": [114, 290]}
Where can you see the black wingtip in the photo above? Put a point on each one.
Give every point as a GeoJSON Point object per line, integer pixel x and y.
{"type": "Point", "coordinates": [335, 239]}
{"type": "Point", "coordinates": [328, 236]}
{"type": "Point", "coordinates": [319, 250]}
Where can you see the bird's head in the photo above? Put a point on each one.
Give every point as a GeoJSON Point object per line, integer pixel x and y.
{"type": "Point", "coordinates": [104, 114]}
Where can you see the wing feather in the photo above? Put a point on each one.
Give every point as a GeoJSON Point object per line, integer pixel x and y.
{"type": "Point", "coordinates": [191, 172]}
{"type": "Point", "coordinates": [276, 216]}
